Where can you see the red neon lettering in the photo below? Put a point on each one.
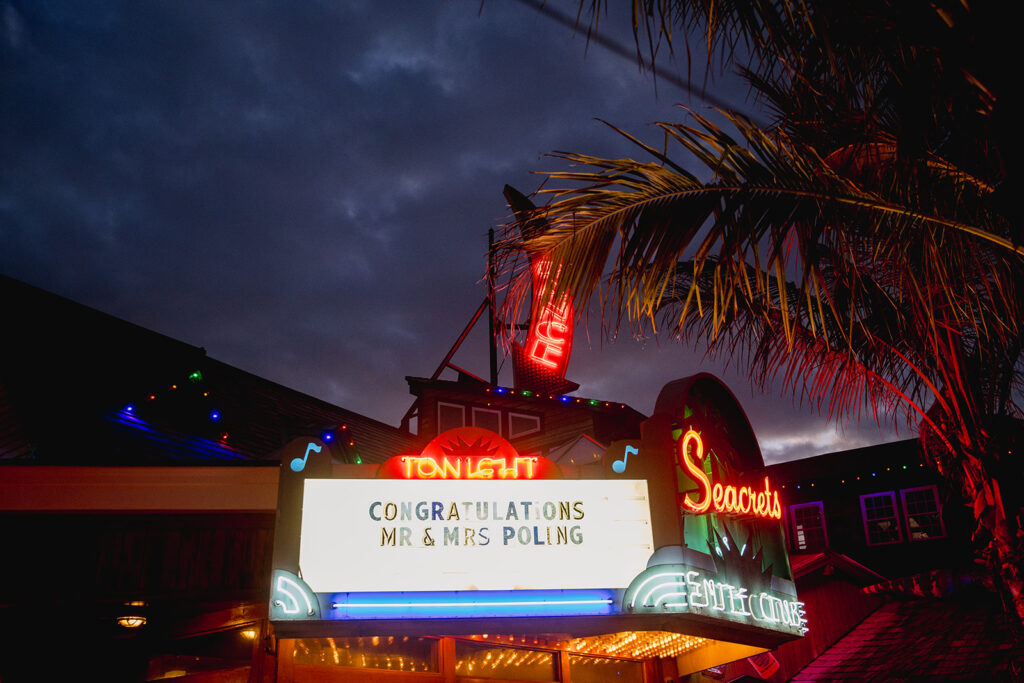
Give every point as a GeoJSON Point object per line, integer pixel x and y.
{"type": "Point", "coordinates": [550, 337]}
{"type": "Point", "coordinates": [736, 500]}
{"type": "Point", "coordinates": [718, 495]}
{"type": "Point", "coordinates": [694, 471]}
{"type": "Point", "coordinates": [549, 349]}
{"type": "Point", "coordinates": [544, 331]}
{"type": "Point", "coordinates": [557, 314]}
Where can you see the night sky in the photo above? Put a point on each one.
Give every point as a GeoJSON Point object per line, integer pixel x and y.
{"type": "Point", "coordinates": [305, 188]}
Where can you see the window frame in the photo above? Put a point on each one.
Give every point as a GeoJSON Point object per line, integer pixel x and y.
{"type": "Point", "coordinates": [445, 404]}
{"type": "Point", "coordinates": [494, 411]}
{"type": "Point", "coordinates": [556, 660]}
{"type": "Point", "coordinates": [896, 518]}
{"type": "Point", "coordinates": [938, 511]}
{"type": "Point", "coordinates": [792, 524]}
{"type": "Point", "coordinates": [521, 435]}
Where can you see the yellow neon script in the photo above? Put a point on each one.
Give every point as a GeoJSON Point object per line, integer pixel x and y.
{"type": "Point", "coordinates": [736, 500]}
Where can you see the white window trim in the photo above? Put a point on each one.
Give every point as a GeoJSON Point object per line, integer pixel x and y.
{"type": "Point", "coordinates": [531, 432]}
{"type": "Point", "coordinates": [441, 404]}
{"type": "Point", "coordinates": [489, 411]}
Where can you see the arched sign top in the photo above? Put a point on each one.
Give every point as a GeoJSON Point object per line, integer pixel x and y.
{"type": "Point", "coordinates": [703, 389]}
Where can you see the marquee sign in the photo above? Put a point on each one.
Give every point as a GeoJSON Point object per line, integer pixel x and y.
{"type": "Point", "coordinates": [463, 536]}
{"type": "Point", "coordinates": [469, 530]}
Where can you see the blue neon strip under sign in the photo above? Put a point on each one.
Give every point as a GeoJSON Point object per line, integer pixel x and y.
{"type": "Point", "coordinates": [468, 604]}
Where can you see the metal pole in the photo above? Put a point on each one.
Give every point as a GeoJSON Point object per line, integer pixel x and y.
{"type": "Point", "coordinates": [490, 303]}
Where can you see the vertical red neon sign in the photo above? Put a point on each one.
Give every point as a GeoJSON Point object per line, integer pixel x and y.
{"type": "Point", "coordinates": [550, 337]}
{"type": "Point", "coordinates": [541, 362]}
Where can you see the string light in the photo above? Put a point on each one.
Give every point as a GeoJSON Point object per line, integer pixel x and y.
{"type": "Point", "coordinates": [846, 480]}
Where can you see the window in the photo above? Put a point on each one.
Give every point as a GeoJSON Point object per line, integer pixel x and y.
{"type": "Point", "coordinates": [450, 416]}
{"type": "Point", "coordinates": [397, 653]}
{"type": "Point", "coordinates": [490, 661]}
{"type": "Point", "coordinates": [224, 655]}
{"type": "Point", "coordinates": [600, 669]}
{"type": "Point", "coordinates": [923, 514]}
{"type": "Point", "coordinates": [487, 419]}
{"type": "Point", "coordinates": [881, 524]}
{"type": "Point", "coordinates": [808, 526]}
{"type": "Point", "coordinates": [522, 425]}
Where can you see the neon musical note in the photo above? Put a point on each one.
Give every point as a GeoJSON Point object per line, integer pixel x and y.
{"type": "Point", "coordinates": [619, 466]}
{"type": "Point", "coordinates": [299, 464]}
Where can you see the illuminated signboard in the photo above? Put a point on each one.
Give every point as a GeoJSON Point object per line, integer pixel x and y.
{"type": "Point", "coordinates": [678, 524]}
{"type": "Point", "coordinates": [486, 535]}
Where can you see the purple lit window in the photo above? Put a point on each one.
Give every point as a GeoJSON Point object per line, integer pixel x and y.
{"type": "Point", "coordinates": [808, 526]}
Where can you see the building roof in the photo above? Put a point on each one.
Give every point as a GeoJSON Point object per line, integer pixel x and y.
{"type": "Point", "coordinates": [80, 387]}
{"type": "Point", "coordinates": [968, 638]}
{"type": "Point", "coordinates": [865, 460]}
{"type": "Point", "coordinates": [828, 562]}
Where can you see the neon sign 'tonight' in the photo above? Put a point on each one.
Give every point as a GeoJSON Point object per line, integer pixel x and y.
{"type": "Point", "coordinates": [736, 500]}
{"type": "Point", "coordinates": [468, 467]}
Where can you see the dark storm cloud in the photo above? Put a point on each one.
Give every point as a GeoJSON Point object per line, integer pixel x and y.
{"type": "Point", "coordinates": [303, 188]}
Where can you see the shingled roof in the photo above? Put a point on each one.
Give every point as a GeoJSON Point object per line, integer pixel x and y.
{"type": "Point", "coordinates": [968, 638]}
